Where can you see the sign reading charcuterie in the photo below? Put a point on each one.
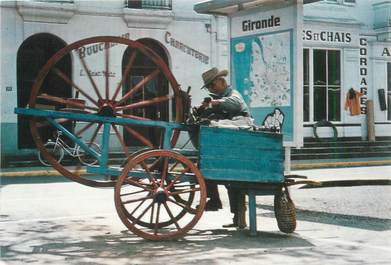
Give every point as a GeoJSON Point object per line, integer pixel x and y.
{"type": "Point", "coordinates": [185, 48]}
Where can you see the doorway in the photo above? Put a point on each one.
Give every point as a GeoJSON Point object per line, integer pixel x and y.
{"type": "Point", "coordinates": [142, 67]}
{"type": "Point", "coordinates": [31, 57]}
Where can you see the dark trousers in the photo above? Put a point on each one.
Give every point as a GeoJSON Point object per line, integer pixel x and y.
{"type": "Point", "coordinates": [211, 191]}
{"type": "Point", "coordinates": [234, 197]}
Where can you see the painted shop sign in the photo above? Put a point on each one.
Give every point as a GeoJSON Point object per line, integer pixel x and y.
{"type": "Point", "coordinates": [363, 73]}
{"type": "Point", "coordinates": [97, 73]}
{"type": "Point", "coordinates": [97, 48]}
{"type": "Point", "coordinates": [382, 51]}
{"type": "Point", "coordinates": [262, 22]}
{"type": "Point", "coordinates": [249, 25]}
{"type": "Point", "coordinates": [327, 36]}
{"type": "Point", "coordinates": [185, 48]}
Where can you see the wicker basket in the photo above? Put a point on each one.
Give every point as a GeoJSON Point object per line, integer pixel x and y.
{"type": "Point", "coordinates": [285, 212]}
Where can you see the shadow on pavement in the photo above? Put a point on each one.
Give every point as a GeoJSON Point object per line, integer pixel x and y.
{"type": "Point", "coordinates": [354, 221]}
{"type": "Point", "coordinates": [44, 244]}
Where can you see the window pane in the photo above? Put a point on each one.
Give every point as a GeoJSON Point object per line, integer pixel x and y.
{"type": "Point", "coordinates": [306, 67]}
{"type": "Point", "coordinates": [334, 105]}
{"type": "Point", "coordinates": [319, 67]}
{"type": "Point", "coordinates": [306, 103]}
{"type": "Point", "coordinates": [389, 91]}
{"type": "Point", "coordinates": [319, 103]}
{"type": "Point", "coordinates": [334, 71]}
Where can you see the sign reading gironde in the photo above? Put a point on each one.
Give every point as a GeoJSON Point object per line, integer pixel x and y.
{"type": "Point", "coordinates": [262, 63]}
{"type": "Point", "coordinates": [248, 25]}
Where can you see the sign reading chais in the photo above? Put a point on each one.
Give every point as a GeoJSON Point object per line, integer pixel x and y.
{"type": "Point", "coordinates": [327, 36]}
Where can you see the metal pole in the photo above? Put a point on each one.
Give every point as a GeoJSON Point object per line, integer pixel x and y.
{"type": "Point", "coordinates": [287, 162]}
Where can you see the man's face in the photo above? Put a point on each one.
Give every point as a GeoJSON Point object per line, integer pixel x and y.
{"type": "Point", "coordinates": [218, 86]}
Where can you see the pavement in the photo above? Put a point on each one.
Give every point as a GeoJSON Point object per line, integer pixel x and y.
{"type": "Point", "coordinates": [339, 176]}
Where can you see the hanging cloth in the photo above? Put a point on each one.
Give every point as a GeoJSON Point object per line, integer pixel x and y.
{"type": "Point", "coordinates": [352, 102]}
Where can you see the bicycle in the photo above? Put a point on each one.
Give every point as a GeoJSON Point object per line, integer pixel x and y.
{"type": "Point", "coordinates": [58, 148]}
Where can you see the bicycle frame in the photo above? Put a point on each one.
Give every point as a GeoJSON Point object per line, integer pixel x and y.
{"type": "Point", "coordinates": [61, 143]}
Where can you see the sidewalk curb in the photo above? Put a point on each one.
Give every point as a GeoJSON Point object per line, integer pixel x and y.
{"type": "Point", "coordinates": [52, 172]}
{"type": "Point", "coordinates": [36, 173]}
{"type": "Point", "coordinates": [341, 164]}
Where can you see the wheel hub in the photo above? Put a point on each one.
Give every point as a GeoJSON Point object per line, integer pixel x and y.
{"type": "Point", "coordinates": [107, 110]}
{"type": "Point", "coordinates": [160, 196]}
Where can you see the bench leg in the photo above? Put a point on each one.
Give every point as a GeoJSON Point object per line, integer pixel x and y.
{"type": "Point", "coordinates": [252, 213]}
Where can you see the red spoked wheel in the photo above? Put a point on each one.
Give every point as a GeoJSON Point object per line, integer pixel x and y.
{"type": "Point", "coordinates": [101, 86]}
{"type": "Point", "coordinates": [160, 195]}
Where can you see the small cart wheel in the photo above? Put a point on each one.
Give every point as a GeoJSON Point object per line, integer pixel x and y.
{"type": "Point", "coordinates": [285, 212]}
{"type": "Point", "coordinates": [160, 195]}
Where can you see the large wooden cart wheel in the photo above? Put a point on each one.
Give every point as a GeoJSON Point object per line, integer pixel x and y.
{"type": "Point", "coordinates": [102, 86]}
{"type": "Point", "coordinates": [160, 195]}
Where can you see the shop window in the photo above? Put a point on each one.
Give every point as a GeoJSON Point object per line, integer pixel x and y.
{"type": "Point", "coordinates": [389, 91]}
{"type": "Point", "coordinates": [322, 96]}
{"type": "Point", "coordinates": [306, 88]}
{"type": "Point", "coordinates": [149, 4]}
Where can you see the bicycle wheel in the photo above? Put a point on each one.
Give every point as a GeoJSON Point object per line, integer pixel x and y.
{"type": "Point", "coordinates": [53, 153]}
{"type": "Point", "coordinates": [84, 157]}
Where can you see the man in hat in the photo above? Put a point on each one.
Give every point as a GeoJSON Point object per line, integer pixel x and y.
{"type": "Point", "coordinates": [226, 103]}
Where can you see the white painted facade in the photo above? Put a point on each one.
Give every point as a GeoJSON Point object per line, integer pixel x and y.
{"type": "Point", "coordinates": [75, 20]}
{"type": "Point", "coordinates": [207, 34]}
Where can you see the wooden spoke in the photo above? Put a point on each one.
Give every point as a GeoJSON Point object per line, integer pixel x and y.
{"type": "Point", "coordinates": [152, 211]}
{"type": "Point", "coordinates": [144, 212]}
{"type": "Point", "coordinates": [157, 219]}
{"type": "Point", "coordinates": [171, 216]}
{"type": "Point", "coordinates": [139, 136]}
{"type": "Point", "coordinates": [107, 68]}
{"type": "Point", "coordinates": [95, 133]}
{"type": "Point", "coordinates": [184, 191]}
{"type": "Point", "coordinates": [139, 86]}
{"type": "Point", "coordinates": [151, 177]}
{"type": "Point", "coordinates": [174, 166]}
{"type": "Point", "coordinates": [67, 80]}
{"type": "Point", "coordinates": [121, 140]}
{"type": "Point", "coordinates": [137, 200]}
{"type": "Point", "coordinates": [45, 123]}
{"type": "Point", "coordinates": [187, 208]}
{"type": "Point", "coordinates": [177, 178]}
{"type": "Point", "coordinates": [138, 206]}
{"type": "Point", "coordinates": [63, 101]}
{"type": "Point", "coordinates": [164, 171]}
{"type": "Point", "coordinates": [125, 75]}
{"type": "Point", "coordinates": [145, 103]}
{"type": "Point", "coordinates": [137, 184]}
{"type": "Point", "coordinates": [132, 193]}
{"type": "Point", "coordinates": [85, 128]}
{"type": "Point", "coordinates": [83, 62]}
{"type": "Point", "coordinates": [155, 163]}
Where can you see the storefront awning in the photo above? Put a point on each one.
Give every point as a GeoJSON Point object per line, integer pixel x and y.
{"type": "Point", "coordinates": [227, 7]}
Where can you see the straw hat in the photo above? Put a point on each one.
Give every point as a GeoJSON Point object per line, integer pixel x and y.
{"type": "Point", "coordinates": [211, 75]}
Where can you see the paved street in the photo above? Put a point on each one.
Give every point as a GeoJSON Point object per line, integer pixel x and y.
{"type": "Point", "coordinates": [67, 223]}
